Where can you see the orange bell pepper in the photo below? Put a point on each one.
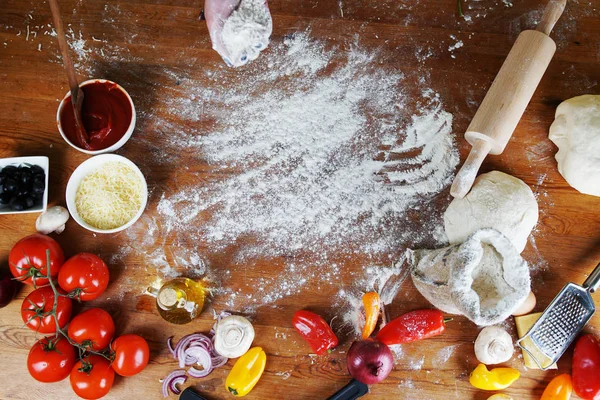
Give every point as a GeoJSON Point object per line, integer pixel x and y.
{"type": "Point", "coordinates": [371, 304]}
{"type": "Point", "coordinates": [559, 388]}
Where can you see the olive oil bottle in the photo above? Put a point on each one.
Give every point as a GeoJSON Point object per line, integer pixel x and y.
{"type": "Point", "coordinates": [180, 300]}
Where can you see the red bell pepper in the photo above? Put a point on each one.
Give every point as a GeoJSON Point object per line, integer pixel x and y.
{"type": "Point", "coordinates": [415, 325]}
{"type": "Point", "coordinates": [586, 368]}
{"type": "Point", "coordinates": [315, 331]}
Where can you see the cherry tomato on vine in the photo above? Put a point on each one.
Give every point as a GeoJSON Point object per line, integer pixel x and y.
{"type": "Point", "coordinates": [41, 301]}
{"type": "Point", "coordinates": [51, 359]}
{"type": "Point", "coordinates": [84, 276]}
{"type": "Point", "coordinates": [131, 354]}
{"type": "Point", "coordinates": [28, 259]}
{"type": "Point", "coordinates": [94, 328]}
{"type": "Point", "coordinates": [92, 377]}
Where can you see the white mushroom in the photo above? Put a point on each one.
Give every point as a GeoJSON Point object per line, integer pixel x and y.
{"type": "Point", "coordinates": [493, 346]}
{"type": "Point", "coordinates": [500, 396]}
{"type": "Point", "coordinates": [52, 220]}
{"type": "Point", "coordinates": [233, 336]}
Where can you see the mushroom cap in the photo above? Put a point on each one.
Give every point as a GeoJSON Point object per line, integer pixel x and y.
{"type": "Point", "coordinates": [233, 336]}
{"type": "Point", "coordinates": [493, 346]}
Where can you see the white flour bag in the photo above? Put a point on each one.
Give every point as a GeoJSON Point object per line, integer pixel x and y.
{"type": "Point", "coordinates": [484, 278]}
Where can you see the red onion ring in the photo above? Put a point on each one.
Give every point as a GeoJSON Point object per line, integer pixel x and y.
{"type": "Point", "coordinates": [176, 377]}
{"type": "Point", "coordinates": [192, 349]}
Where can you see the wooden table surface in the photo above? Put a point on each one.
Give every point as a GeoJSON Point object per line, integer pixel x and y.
{"type": "Point", "coordinates": [152, 35]}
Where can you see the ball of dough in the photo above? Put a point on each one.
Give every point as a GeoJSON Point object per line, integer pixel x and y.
{"type": "Point", "coordinates": [576, 132]}
{"type": "Point", "coordinates": [497, 200]}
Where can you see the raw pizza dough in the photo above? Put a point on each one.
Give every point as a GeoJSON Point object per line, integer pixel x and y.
{"type": "Point", "coordinates": [484, 278]}
{"type": "Point", "coordinates": [497, 200]}
{"type": "Point", "coordinates": [576, 132]}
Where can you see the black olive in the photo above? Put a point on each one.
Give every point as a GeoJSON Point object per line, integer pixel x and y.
{"type": "Point", "coordinates": [5, 198]}
{"type": "Point", "coordinates": [38, 187]}
{"type": "Point", "coordinates": [17, 204]}
{"type": "Point", "coordinates": [9, 169]}
{"type": "Point", "coordinates": [37, 170]}
{"type": "Point", "coordinates": [2, 179]}
{"type": "Point", "coordinates": [29, 202]}
{"type": "Point", "coordinates": [26, 177]}
{"type": "Point", "coordinates": [10, 185]}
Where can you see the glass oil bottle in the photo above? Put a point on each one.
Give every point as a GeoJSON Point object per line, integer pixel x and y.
{"type": "Point", "coordinates": [179, 300]}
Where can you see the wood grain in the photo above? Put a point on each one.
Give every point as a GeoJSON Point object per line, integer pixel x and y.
{"type": "Point", "coordinates": [170, 34]}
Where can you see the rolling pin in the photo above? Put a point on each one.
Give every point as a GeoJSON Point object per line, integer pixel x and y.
{"type": "Point", "coordinates": [506, 100]}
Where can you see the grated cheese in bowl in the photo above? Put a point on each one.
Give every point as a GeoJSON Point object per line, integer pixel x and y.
{"type": "Point", "coordinates": [106, 193]}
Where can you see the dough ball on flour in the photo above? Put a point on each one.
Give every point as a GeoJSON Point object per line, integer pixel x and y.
{"type": "Point", "coordinates": [497, 200]}
{"type": "Point", "coordinates": [576, 132]}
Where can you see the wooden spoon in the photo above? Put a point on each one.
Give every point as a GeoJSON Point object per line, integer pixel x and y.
{"type": "Point", "coordinates": [76, 92]}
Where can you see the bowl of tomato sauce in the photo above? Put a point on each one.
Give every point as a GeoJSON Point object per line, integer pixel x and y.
{"type": "Point", "coordinates": [108, 115]}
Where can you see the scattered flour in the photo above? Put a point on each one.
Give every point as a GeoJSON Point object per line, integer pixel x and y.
{"type": "Point", "coordinates": [316, 166]}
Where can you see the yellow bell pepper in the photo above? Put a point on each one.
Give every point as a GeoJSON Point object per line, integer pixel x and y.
{"type": "Point", "coordinates": [371, 304]}
{"type": "Point", "coordinates": [246, 372]}
{"type": "Point", "coordinates": [496, 379]}
{"type": "Point", "coordinates": [559, 388]}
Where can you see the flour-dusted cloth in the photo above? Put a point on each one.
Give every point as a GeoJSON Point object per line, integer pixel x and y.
{"type": "Point", "coordinates": [484, 278]}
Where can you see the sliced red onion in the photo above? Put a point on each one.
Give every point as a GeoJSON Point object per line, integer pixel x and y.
{"type": "Point", "coordinates": [170, 346]}
{"type": "Point", "coordinates": [191, 350]}
{"type": "Point", "coordinates": [176, 377]}
{"type": "Point", "coordinates": [196, 373]}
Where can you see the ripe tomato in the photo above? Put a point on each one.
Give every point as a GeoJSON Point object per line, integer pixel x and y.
{"type": "Point", "coordinates": [84, 276]}
{"type": "Point", "coordinates": [131, 354]}
{"type": "Point", "coordinates": [28, 259]}
{"type": "Point", "coordinates": [93, 327]}
{"type": "Point", "coordinates": [51, 359]}
{"type": "Point", "coordinates": [41, 301]}
{"type": "Point", "coordinates": [92, 377]}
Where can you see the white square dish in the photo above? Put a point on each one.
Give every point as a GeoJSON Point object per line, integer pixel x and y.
{"type": "Point", "coordinates": [43, 162]}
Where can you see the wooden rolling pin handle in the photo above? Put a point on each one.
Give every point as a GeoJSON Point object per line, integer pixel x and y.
{"type": "Point", "coordinates": [466, 176]}
{"type": "Point", "coordinates": [552, 13]}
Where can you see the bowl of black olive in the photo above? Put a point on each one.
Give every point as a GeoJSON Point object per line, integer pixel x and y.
{"type": "Point", "coordinates": [23, 184]}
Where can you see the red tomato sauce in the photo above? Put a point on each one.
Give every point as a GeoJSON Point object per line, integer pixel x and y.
{"type": "Point", "coordinates": [106, 114]}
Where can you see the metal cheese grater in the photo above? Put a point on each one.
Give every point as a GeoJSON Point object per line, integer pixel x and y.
{"type": "Point", "coordinates": [560, 323]}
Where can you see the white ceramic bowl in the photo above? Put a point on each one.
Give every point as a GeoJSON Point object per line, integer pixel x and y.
{"type": "Point", "coordinates": [89, 166]}
{"type": "Point", "coordinates": [42, 161]}
{"type": "Point", "coordinates": [109, 149]}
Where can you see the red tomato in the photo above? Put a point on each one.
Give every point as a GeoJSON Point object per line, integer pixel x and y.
{"type": "Point", "coordinates": [586, 367]}
{"type": "Point", "coordinates": [131, 354]}
{"type": "Point", "coordinates": [51, 359]}
{"type": "Point", "coordinates": [92, 377]}
{"type": "Point", "coordinates": [84, 276]}
{"type": "Point", "coordinates": [94, 327]}
{"type": "Point", "coordinates": [28, 259]}
{"type": "Point", "coordinates": [41, 301]}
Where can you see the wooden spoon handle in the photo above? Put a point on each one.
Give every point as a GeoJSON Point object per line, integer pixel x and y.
{"type": "Point", "coordinates": [64, 47]}
{"type": "Point", "coordinates": [76, 93]}
{"type": "Point", "coordinates": [552, 13]}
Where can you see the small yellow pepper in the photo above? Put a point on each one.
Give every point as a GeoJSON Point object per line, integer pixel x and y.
{"type": "Point", "coordinates": [246, 372]}
{"type": "Point", "coordinates": [371, 304]}
{"type": "Point", "coordinates": [496, 379]}
{"type": "Point", "coordinates": [559, 388]}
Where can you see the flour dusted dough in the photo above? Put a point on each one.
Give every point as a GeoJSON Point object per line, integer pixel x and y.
{"type": "Point", "coordinates": [484, 278]}
{"type": "Point", "coordinates": [498, 201]}
{"type": "Point", "coordinates": [576, 132]}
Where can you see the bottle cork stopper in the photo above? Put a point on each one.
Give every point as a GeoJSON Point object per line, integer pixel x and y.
{"type": "Point", "coordinates": [167, 297]}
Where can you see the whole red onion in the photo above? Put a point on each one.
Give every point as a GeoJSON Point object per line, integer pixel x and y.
{"type": "Point", "coordinates": [370, 361]}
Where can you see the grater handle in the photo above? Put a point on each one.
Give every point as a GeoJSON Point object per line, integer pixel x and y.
{"type": "Point", "coordinates": [592, 283]}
